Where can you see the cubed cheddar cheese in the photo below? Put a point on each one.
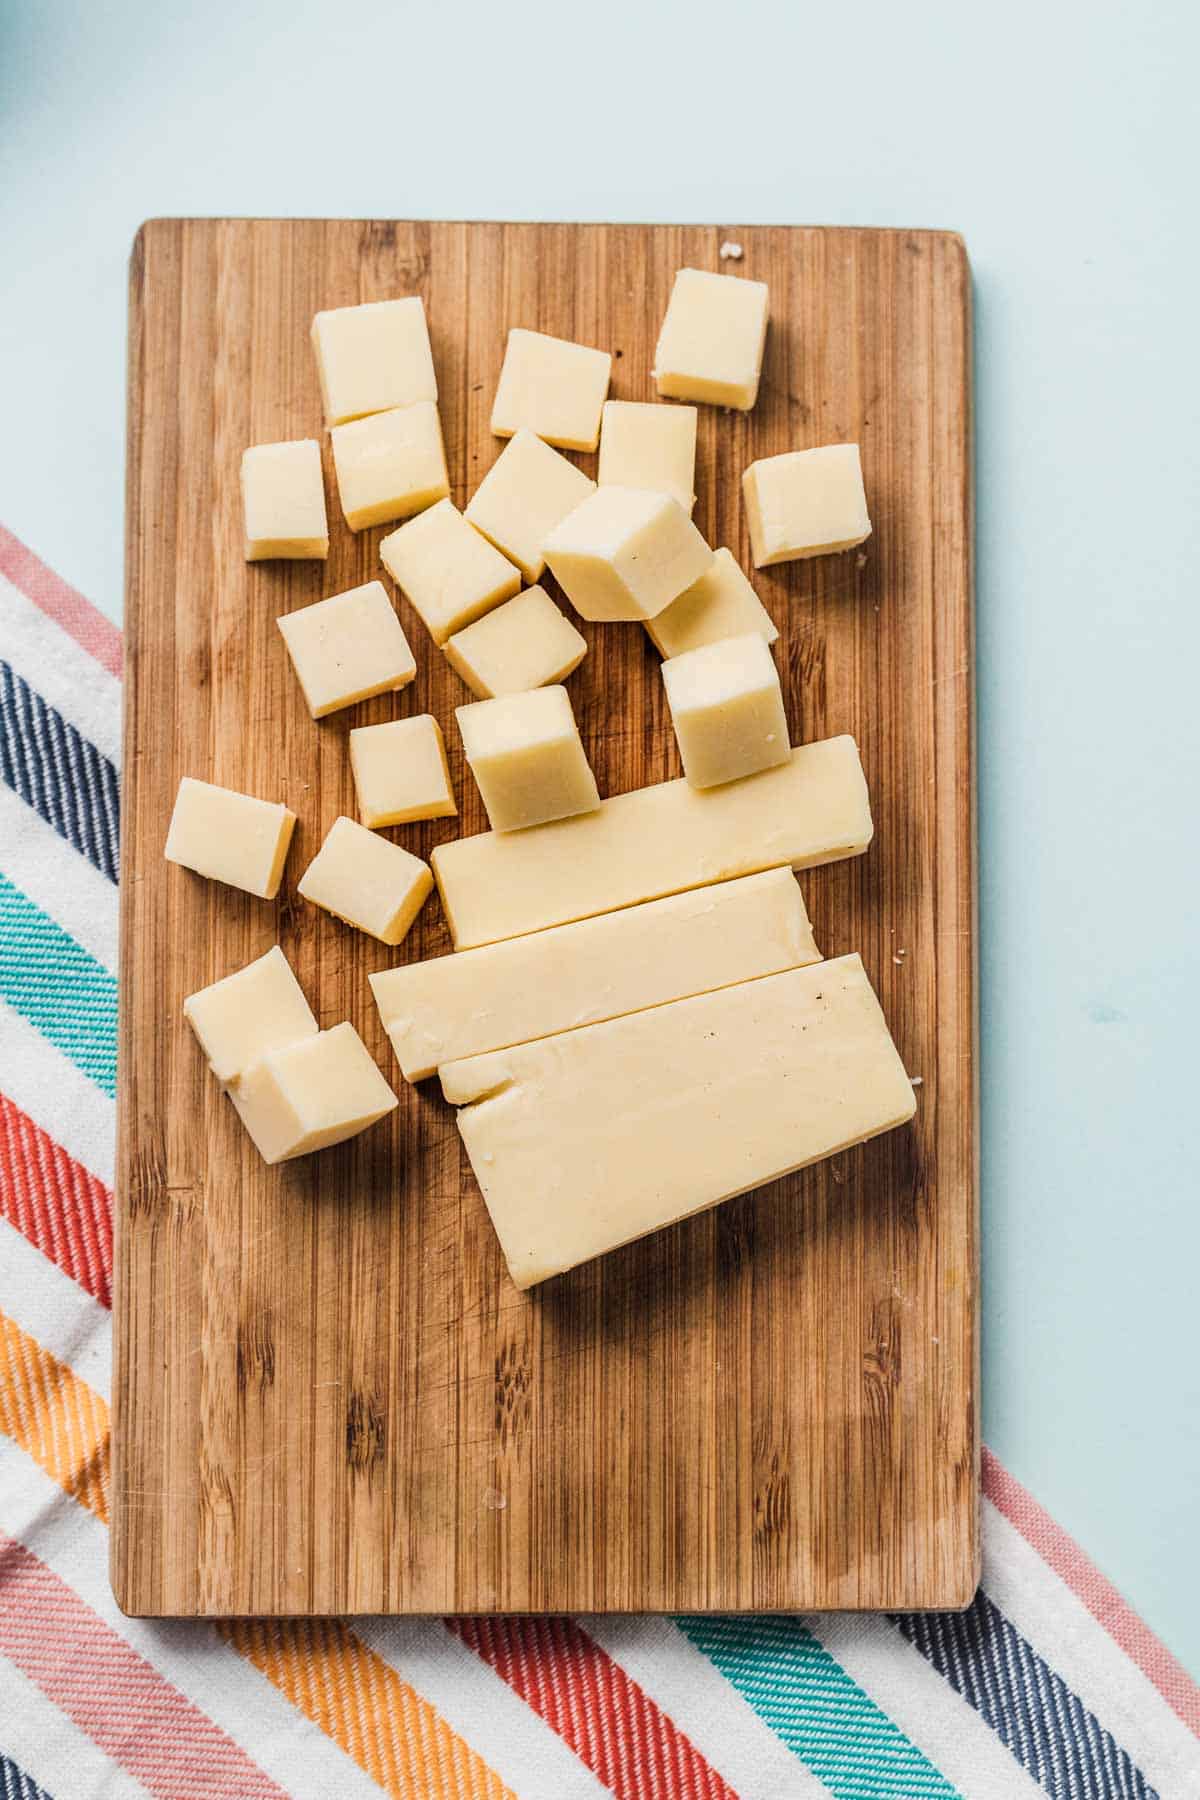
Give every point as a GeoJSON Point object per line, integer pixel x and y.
{"type": "Point", "coordinates": [238, 1019]}
{"type": "Point", "coordinates": [710, 347]}
{"type": "Point", "coordinates": [230, 837]}
{"type": "Point", "coordinates": [390, 465]}
{"type": "Point", "coordinates": [553, 387]}
{"type": "Point", "coordinates": [400, 772]}
{"type": "Point", "coordinates": [527, 759]}
{"type": "Point", "coordinates": [805, 503]}
{"type": "Point", "coordinates": [283, 499]}
{"type": "Point", "coordinates": [721, 604]}
{"type": "Point", "coordinates": [366, 881]}
{"type": "Point", "coordinates": [448, 571]}
{"type": "Point", "coordinates": [727, 708]}
{"type": "Point", "coordinates": [311, 1094]}
{"type": "Point", "coordinates": [649, 446]}
{"type": "Point", "coordinates": [526, 643]}
{"type": "Point", "coordinates": [524, 494]}
{"type": "Point", "coordinates": [347, 648]}
{"type": "Point", "coordinates": [626, 553]}
{"type": "Point", "coordinates": [373, 357]}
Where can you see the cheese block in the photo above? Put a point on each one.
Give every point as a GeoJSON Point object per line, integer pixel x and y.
{"type": "Point", "coordinates": [527, 758]}
{"type": "Point", "coordinates": [721, 604]}
{"type": "Point", "coordinates": [390, 465]}
{"type": "Point", "coordinates": [449, 572]}
{"type": "Point", "coordinates": [805, 503]}
{"type": "Point", "coordinates": [347, 648]}
{"type": "Point", "coordinates": [649, 446]}
{"type": "Point", "coordinates": [656, 840]}
{"type": "Point", "coordinates": [366, 881]}
{"type": "Point", "coordinates": [531, 987]}
{"type": "Point", "coordinates": [551, 387]}
{"type": "Point", "coordinates": [238, 1019]}
{"type": "Point", "coordinates": [311, 1094]}
{"type": "Point", "coordinates": [283, 499]}
{"type": "Point", "coordinates": [523, 496]}
{"type": "Point", "coordinates": [400, 771]}
{"type": "Point", "coordinates": [711, 344]}
{"type": "Point", "coordinates": [585, 1141]}
{"type": "Point", "coordinates": [626, 553]}
{"type": "Point", "coordinates": [230, 837]}
{"type": "Point", "coordinates": [373, 357]}
{"type": "Point", "coordinates": [526, 643]}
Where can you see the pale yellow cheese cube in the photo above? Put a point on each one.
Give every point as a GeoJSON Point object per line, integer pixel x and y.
{"type": "Point", "coordinates": [238, 1019]}
{"type": "Point", "coordinates": [554, 387]}
{"type": "Point", "coordinates": [526, 756]}
{"type": "Point", "coordinates": [727, 708]}
{"type": "Point", "coordinates": [721, 604]}
{"type": "Point", "coordinates": [648, 446]}
{"type": "Point", "coordinates": [526, 643]}
{"type": "Point", "coordinates": [312, 1094]}
{"type": "Point", "coordinates": [373, 357]}
{"type": "Point", "coordinates": [524, 494]}
{"type": "Point", "coordinates": [230, 837]}
{"type": "Point", "coordinates": [347, 648]}
{"type": "Point", "coordinates": [711, 343]}
{"type": "Point", "coordinates": [390, 464]}
{"type": "Point", "coordinates": [449, 572]}
{"type": "Point", "coordinates": [283, 498]}
{"type": "Point", "coordinates": [367, 881]}
{"type": "Point", "coordinates": [625, 553]}
{"type": "Point", "coordinates": [805, 503]}
{"type": "Point", "coordinates": [400, 772]}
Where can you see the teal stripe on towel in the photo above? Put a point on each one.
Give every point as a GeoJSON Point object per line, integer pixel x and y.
{"type": "Point", "coordinates": [58, 986]}
{"type": "Point", "coordinates": [824, 1717]}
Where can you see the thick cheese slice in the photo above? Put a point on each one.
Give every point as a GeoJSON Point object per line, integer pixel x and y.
{"type": "Point", "coordinates": [588, 1140]}
{"type": "Point", "coordinates": [531, 987]}
{"type": "Point", "coordinates": [812, 809]}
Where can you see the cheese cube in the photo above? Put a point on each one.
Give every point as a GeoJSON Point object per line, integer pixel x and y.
{"type": "Point", "coordinates": [523, 644]}
{"type": "Point", "coordinates": [240, 1018]}
{"type": "Point", "coordinates": [656, 840]}
{"type": "Point", "coordinates": [283, 497]}
{"type": "Point", "coordinates": [526, 756]}
{"type": "Point", "coordinates": [553, 387]}
{"type": "Point", "coordinates": [647, 446]}
{"type": "Point", "coordinates": [449, 572]}
{"type": "Point", "coordinates": [805, 503]}
{"type": "Point", "coordinates": [347, 648]}
{"type": "Point", "coordinates": [373, 357]}
{"type": "Point", "coordinates": [531, 987]}
{"type": "Point", "coordinates": [524, 494]}
{"type": "Point", "coordinates": [230, 837]}
{"type": "Point", "coordinates": [588, 1140]}
{"type": "Point", "coordinates": [727, 709]}
{"type": "Point", "coordinates": [390, 464]}
{"type": "Point", "coordinates": [711, 343]}
{"type": "Point", "coordinates": [625, 553]}
{"type": "Point", "coordinates": [312, 1094]}
{"type": "Point", "coordinates": [367, 881]}
{"type": "Point", "coordinates": [721, 604]}
{"type": "Point", "coordinates": [400, 772]}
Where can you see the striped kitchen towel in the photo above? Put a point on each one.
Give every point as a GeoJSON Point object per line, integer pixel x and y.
{"type": "Point", "coordinates": [1048, 1685]}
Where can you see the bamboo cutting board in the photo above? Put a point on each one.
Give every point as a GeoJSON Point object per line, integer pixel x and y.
{"type": "Point", "coordinates": [329, 1396]}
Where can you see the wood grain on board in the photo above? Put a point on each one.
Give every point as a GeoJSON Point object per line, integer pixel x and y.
{"type": "Point", "coordinates": [329, 1396]}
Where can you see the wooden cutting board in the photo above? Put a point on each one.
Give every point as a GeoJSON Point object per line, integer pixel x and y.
{"type": "Point", "coordinates": [329, 1396]}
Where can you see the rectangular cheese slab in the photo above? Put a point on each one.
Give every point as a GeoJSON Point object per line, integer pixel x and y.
{"type": "Point", "coordinates": [658, 840]}
{"type": "Point", "coordinates": [588, 1140]}
{"type": "Point", "coordinates": [532, 987]}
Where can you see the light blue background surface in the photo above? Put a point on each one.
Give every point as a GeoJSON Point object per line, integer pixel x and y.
{"type": "Point", "coordinates": [1060, 139]}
